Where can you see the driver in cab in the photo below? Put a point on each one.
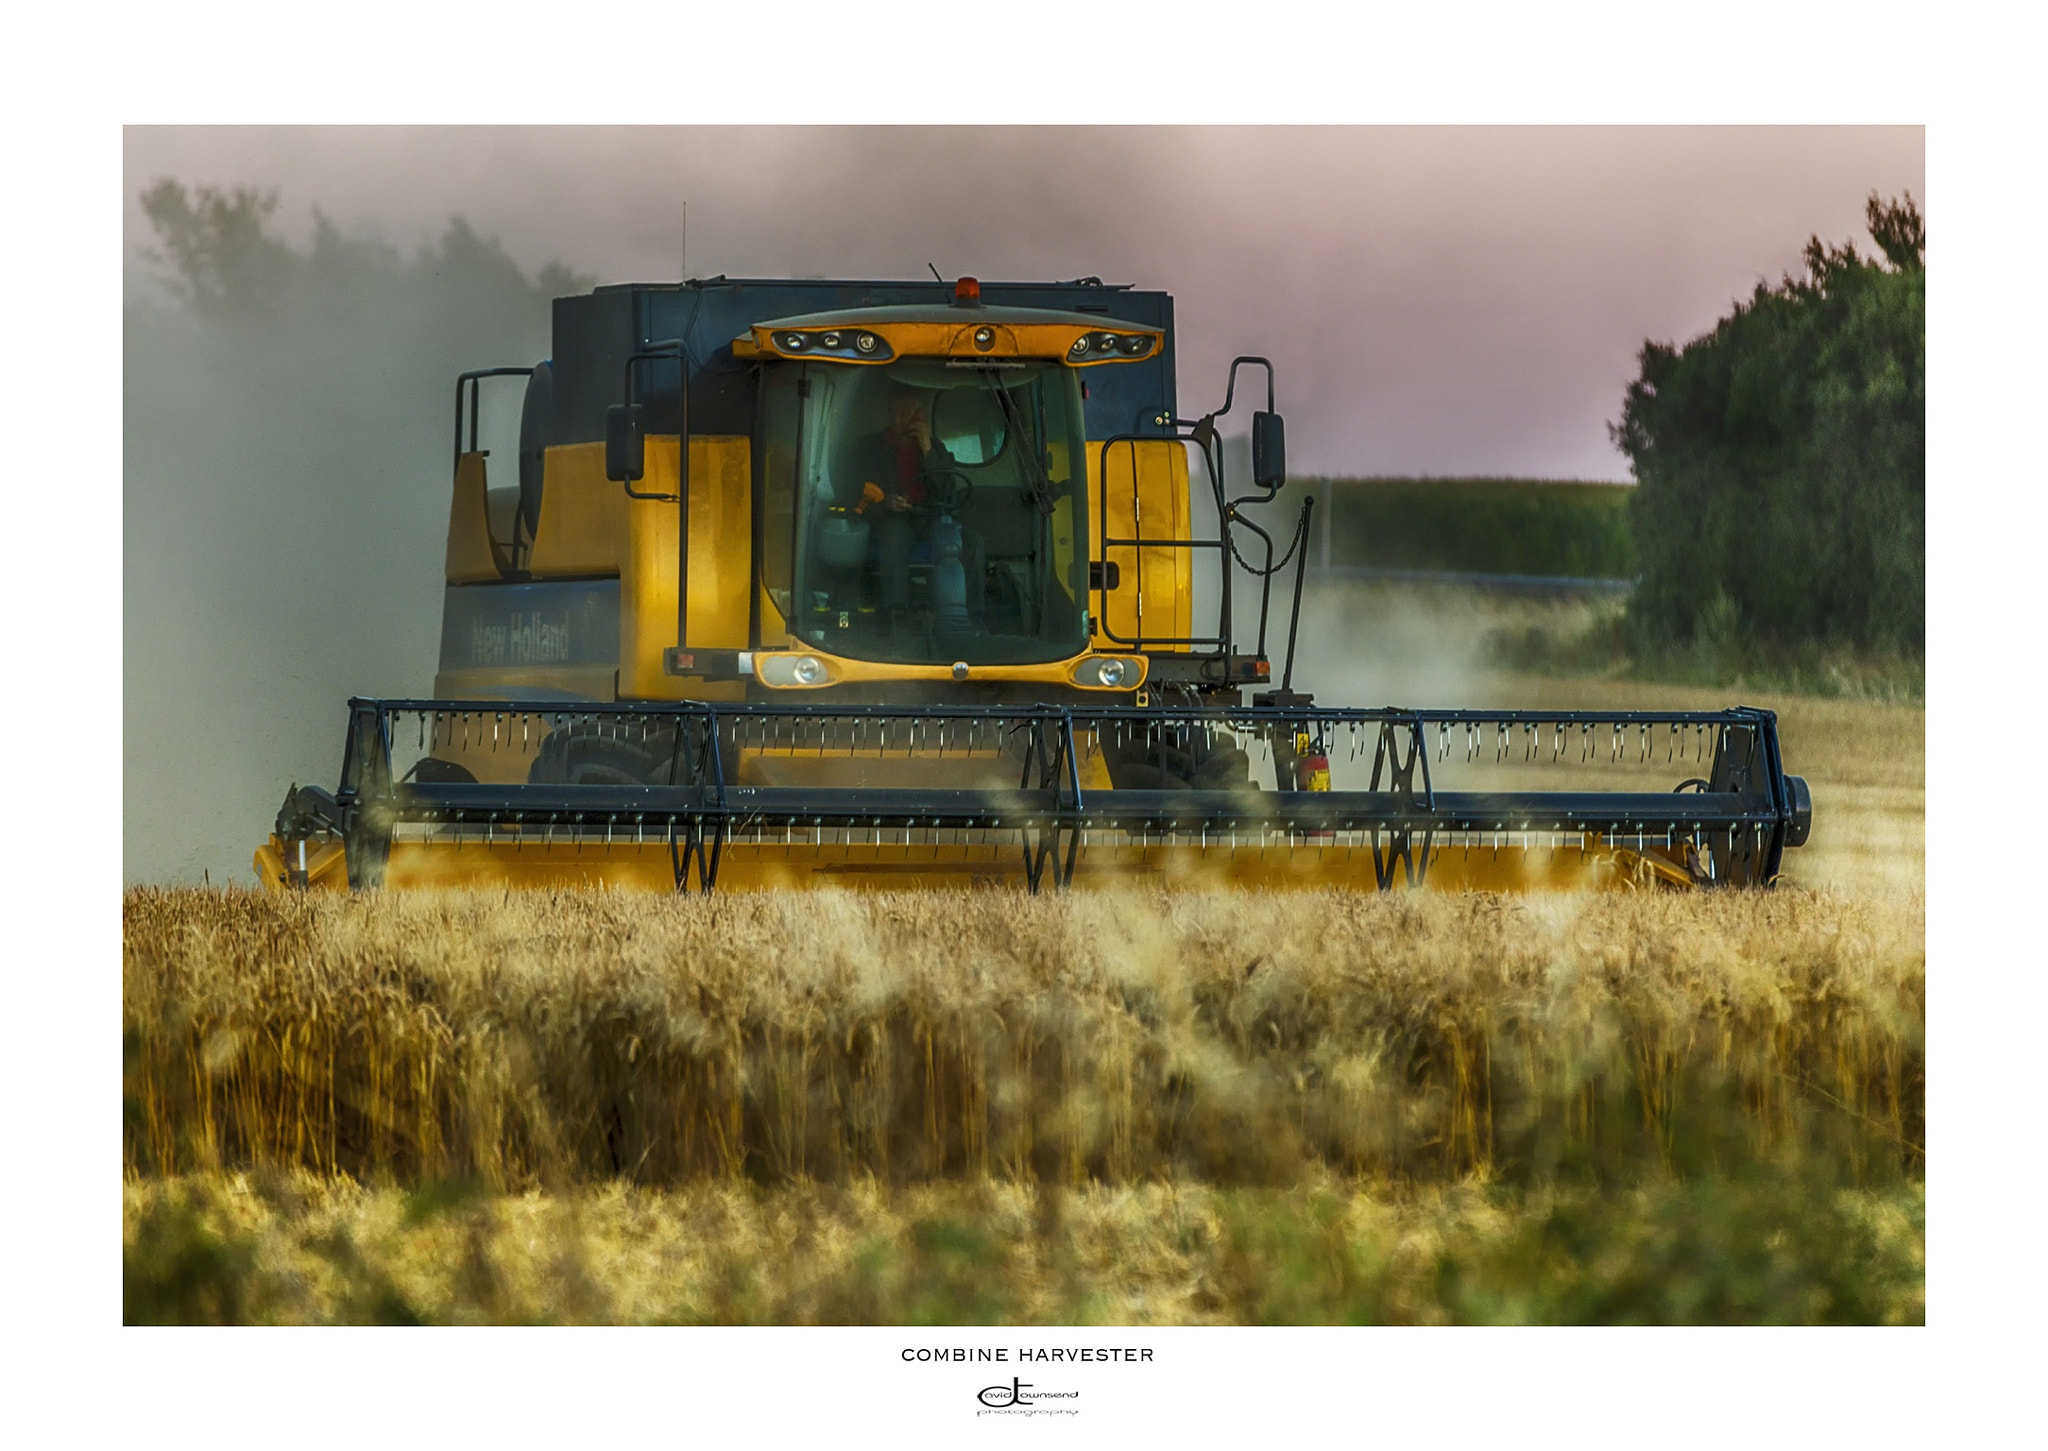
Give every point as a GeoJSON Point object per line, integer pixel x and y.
{"type": "Point", "coordinates": [905, 474]}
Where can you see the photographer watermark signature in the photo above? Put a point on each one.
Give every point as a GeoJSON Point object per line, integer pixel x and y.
{"type": "Point", "coordinates": [1019, 1399]}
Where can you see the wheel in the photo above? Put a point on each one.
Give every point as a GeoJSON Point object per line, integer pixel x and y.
{"type": "Point", "coordinates": [1170, 759]}
{"type": "Point", "coordinates": [630, 753]}
{"type": "Point", "coordinates": [946, 491]}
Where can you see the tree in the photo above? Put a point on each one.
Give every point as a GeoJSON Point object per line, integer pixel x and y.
{"type": "Point", "coordinates": [1781, 458]}
{"type": "Point", "coordinates": [217, 245]}
{"type": "Point", "coordinates": [223, 262]}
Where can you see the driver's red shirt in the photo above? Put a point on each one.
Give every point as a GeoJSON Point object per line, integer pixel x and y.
{"type": "Point", "coordinates": [905, 452]}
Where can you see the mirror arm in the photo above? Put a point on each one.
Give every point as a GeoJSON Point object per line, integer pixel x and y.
{"type": "Point", "coordinates": [668, 348]}
{"type": "Point", "coordinates": [1230, 391]}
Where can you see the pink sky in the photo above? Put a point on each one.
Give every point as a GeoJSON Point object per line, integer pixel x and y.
{"type": "Point", "coordinates": [1437, 300]}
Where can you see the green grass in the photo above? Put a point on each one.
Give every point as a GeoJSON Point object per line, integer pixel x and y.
{"type": "Point", "coordinates": [1751, 1247]}
{"type": "Point", "coordinates": [1583, 530]}
{"type": "Point", "coordinates": [1603, 641]}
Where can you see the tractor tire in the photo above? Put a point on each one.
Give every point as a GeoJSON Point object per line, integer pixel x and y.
{"type": "Point", "coordinates": [1170, 761]}
{"type": "Point", "coordinates": [637, 754]}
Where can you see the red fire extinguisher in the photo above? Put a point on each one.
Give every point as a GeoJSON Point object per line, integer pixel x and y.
{"type": "Point", "coordinates": [1311, 764]}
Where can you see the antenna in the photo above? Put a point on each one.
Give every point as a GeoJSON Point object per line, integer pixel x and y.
{"type": "Point", "coordinates": [683, 246]}
{"type": "Point", "coordinates": [935, 272]}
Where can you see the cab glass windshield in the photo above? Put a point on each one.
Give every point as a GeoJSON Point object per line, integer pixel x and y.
{"type": "Point", "coordinates": [928, 511]}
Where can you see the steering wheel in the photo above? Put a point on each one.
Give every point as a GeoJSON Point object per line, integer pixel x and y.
{"type": "Point", "coordinates": [946, 491]}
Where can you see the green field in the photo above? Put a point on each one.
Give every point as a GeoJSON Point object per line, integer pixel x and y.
{"type": "Point", "coordinates": [1480, 526]}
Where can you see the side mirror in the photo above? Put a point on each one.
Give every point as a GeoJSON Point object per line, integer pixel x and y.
{"type": "Point", "coordinates": [1269, 450]}
{"type": "Point", "coordinates": [625, 450]}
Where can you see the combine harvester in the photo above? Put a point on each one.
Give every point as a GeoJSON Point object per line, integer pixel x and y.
{"type": "Point", "coordinates": [893, 584]}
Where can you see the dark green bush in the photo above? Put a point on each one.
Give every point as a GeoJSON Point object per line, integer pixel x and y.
{"type": "Point", "coordinates": [1781, 459]}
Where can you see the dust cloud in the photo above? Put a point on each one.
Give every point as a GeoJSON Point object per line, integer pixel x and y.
{"type": "Point", "coordinates": [286, 504]}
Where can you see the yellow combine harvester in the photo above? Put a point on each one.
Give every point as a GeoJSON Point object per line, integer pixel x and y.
{"type": "Point", "coordinates": [894, 583]}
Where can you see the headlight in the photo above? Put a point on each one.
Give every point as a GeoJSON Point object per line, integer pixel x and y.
{"type": "Point", "coordinates": [785, 670]}
{"type": "Point", "coordinates": [1109, 345]}
{"type": "Point", "coordinates": [843, 342]}
{"type": "Point", "coordinates": [1109, 672]}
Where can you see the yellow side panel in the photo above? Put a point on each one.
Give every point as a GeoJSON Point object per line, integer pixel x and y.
{"type": "Point", "coordinates": [647, 578]}
{"type": "Point", "coordinates": [473, 556]}
{"type": "Point", "coordinates": [721, 562]}
{"type": "Point", "coordinates": [721, 541]}
{"type": "Point", "coordinates": [583, 514]}
{"type": "Point", "coordinates": [1147, 497]}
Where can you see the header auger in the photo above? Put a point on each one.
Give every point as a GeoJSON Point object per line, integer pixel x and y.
{"type": "Point", "coordinates": [864, 584]}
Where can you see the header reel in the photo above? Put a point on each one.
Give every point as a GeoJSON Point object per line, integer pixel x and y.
{"type": "Point", "coordinates": [695, 796]}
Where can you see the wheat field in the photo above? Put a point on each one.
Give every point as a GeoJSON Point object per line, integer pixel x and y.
{"type": "Point", "coordinates": [546, 1038]}
{"type": "Point", "coordinates": [923, 1107]}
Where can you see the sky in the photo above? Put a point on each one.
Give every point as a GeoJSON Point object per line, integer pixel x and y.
{"type": "Point", "coordinates": [1437, 300]}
